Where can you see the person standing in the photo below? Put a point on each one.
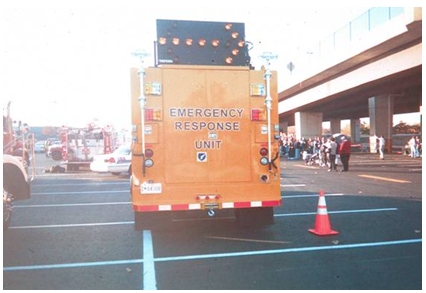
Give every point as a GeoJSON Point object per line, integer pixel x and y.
{"type": "Point", "coordinates": [322, 152]}
{"type": "Point", "coordinates": [382, 143]}
{"type": "Point", "coordinates": [331, 154]}
{"type": "Point", "coordinates": [413, 143]}
{"type": "Point", "coordinates": [345, 153]}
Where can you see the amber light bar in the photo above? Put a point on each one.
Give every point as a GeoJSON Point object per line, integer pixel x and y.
{"type": "Point", "coordinates": [201, 43]}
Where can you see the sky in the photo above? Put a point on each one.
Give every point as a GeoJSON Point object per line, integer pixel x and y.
{"type": "Point", "coordinates": [67, 62]}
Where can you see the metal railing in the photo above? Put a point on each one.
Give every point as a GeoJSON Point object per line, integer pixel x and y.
{"type": "Point", "coordinates": [352, 31]}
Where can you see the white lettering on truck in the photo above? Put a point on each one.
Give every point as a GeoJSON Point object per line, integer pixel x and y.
{"type": "Point", "coordinates": [207, 124]}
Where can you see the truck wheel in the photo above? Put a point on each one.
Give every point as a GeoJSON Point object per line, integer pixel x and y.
{"type": "Point", "coordinates": [57, 156]}
{"type": "Point", "coordinates": [7, 209]}
{"type": "Point", "coordinates": [255, 217]}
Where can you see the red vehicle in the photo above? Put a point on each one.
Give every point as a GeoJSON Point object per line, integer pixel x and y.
{"type": "Point", "coordinates": [18, 149]}
{"type": "Point", "coordinates": [80, 145]}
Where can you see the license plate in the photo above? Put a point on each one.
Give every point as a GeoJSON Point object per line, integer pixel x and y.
{"type": "Point", "coordinates": [151, 188]}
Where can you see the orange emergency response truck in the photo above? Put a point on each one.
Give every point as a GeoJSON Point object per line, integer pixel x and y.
{"type": "Point", "coordinates": [205, 127]}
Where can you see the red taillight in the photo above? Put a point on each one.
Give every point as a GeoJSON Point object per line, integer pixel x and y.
{"type": "Point", "coordinates": [207, 196]}
{"type": "Point", "coordinates": [258, 115]}
{"type": "Point", "coordinates": [263, 151]}
{"type": "Point", "coordinates": [149, 153]}
{"type": "Point", "coordinates": [152, 114]}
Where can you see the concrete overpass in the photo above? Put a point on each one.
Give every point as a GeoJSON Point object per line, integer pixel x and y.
{"type": "Point", "coordinates": [376, 76]}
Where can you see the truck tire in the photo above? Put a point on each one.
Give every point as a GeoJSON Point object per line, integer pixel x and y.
{"type": "Point", "coordinates": [56, 155]}
{"type": "Point", "coordinates": [7, 209]}
{"type": "Point", "coordinates": [255, 217]}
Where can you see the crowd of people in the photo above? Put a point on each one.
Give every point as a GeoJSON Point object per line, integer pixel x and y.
{"type": "Point", "coordinates": [413, 148]}
{"type": "Point", "coordinates": [325, 152]}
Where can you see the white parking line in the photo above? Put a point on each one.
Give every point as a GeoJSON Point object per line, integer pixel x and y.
{"type": "Point", "coordinates": [132, 222]}
{"type": "Point", "coordinates": [216, 255]}
{"type": "Point", "coordinates": [311, 195]}
{"type": "Point", "coordinates": [73, 204]}
{"type": "Point", "coordinates": [72, 225]}
{"type": "Point", "coordinates": [338, 212]}
{"type": "Point", "coordinates": [81, 192]}
{"type": "Point", "coordinates": [91, 183]}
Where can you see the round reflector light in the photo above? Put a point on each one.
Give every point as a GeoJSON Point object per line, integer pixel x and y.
{"type": "Point", "coordinates": [264, 161]}
{"type": "Point", "coordinates": [149, 163]}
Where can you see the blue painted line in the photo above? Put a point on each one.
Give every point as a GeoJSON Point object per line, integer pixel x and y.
{"type": "Point", "coordinates": [132, 222]}
{"type": "Point", "coordinates": [216, 255]}
{"type": "Point", "coordinates": [149, 279]}
{"type": "Point", "coordinates": [288, 250]}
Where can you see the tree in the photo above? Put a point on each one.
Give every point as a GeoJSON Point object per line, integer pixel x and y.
{"type": "Point", "coordinates": [49, 131]}
{"type": "Point", "coordinates": [400, 128]}
{"type": "Point", "coordinates": [404, 128]}
{"type": "Point", "coordinates": [364, 128]}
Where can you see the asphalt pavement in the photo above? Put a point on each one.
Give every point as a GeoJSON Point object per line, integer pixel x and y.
{"type": "Point", "coordinates": [76, 233]}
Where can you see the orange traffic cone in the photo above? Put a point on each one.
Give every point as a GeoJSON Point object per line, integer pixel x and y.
{"type": "Point", "coordinates": [322, 223]}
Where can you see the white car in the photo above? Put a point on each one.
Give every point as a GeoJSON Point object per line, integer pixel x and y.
{"type": "Point", "coordinates": [116, 163]}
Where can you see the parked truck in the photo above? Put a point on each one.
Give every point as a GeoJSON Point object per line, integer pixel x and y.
{"type": "Point", "coordinates": [18, 157]}
{"type": "Point", "coordinates": [79, 145]}
{"type": "Point", "coordinates": [205, 127]}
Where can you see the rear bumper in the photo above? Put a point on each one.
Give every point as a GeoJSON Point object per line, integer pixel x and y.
{"type": "Point", "coordinates": [206, 206]}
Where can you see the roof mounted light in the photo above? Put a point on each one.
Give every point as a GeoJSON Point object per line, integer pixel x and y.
{"type": "Point", "coordinates": [215, 42]}
{"type": "Point", "coordinates": [202, 42]}
{"type": "Point", "coordinates": [175, 41]}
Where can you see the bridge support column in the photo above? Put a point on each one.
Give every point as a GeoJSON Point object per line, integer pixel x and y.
{"type": "Point", "coordinates": [335, 126]}
{"type": "Point", "coordinates": [308, 124]}
{"type": "Point", "coordinates": [284, 127]}
{"type": "Point", "coordinates": [381, 120]}
{"type": "Point", "coordinates": [355, 130]}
